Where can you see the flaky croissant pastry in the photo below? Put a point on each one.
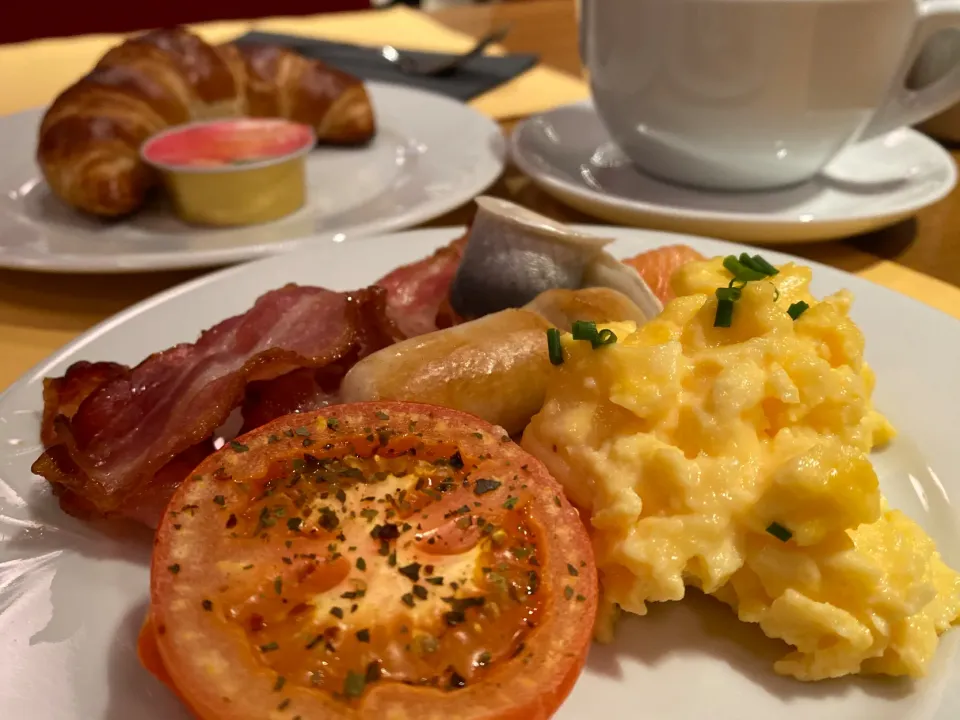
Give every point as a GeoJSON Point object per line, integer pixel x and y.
{"type": "Point", "coordinates": [90, 137]}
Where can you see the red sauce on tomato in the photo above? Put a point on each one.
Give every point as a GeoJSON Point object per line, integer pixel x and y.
{"type": "Point", "coordinates": [228, 142]}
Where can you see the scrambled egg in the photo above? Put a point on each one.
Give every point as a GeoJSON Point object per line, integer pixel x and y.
{"type": "Point", "coordinates": [735, 460]}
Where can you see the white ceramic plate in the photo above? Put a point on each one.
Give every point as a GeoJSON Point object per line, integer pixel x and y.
{"type": "Point", "coordinates": [431, 154]}
{"type": "Point", "coordinates": [568, 153]}
{"type": "Point", "coordinates": [72, 599]}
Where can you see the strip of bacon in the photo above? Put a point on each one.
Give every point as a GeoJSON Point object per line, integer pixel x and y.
{"type": "Point", "coordinates": [416, 304]}
{"type": "Point", "coordinates": [145, 504]}
{"type": "Point", "coordinates": [112, 454]}
{"type": "Point", "coordinates": [416, 292]}
{"type": "Point", "coordinates": [299, 391]}
{"type": "Point", "coordinates": [63, 395]}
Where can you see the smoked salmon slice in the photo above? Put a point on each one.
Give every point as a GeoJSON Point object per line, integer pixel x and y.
{"type": "Point", "coordinates": [657, 266]}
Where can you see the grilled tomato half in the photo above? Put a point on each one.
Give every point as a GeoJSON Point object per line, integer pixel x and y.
{"type": "Point", "coordinates": [373, 560]}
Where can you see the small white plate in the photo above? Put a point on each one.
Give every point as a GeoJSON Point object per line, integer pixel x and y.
{"type": "Point", "coordinates": [569, 154]}
{"type": "Point", "coordinates": [431, 154]}
{"type": "Point", "coordinates": [72, 598]}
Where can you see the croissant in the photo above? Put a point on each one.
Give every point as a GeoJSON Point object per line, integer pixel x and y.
{"type": "Point", "coordinates": [90, 137]}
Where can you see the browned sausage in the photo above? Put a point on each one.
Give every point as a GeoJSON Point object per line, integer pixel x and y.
{"type": "Point", "coordinates": [495, 367]}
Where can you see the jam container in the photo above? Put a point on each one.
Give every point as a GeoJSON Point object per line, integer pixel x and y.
{"type": "Point", "coordinates": [240, 171]}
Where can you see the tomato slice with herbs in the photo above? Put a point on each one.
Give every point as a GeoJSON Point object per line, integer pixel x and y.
{"type": "Point", "coordinates": [389, 560]}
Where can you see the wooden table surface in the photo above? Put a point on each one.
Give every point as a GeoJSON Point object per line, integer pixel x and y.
{"type": "Point", "coordinates": [39, 313]}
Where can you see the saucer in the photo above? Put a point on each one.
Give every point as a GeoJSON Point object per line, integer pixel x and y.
{"type": "Point", "coordinates": [568, 153]}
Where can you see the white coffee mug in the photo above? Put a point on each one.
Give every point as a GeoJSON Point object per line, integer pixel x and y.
{"type": "Point", "coordinates": [757, 94]}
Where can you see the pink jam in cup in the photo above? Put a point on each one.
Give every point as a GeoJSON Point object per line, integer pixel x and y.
{"type": "Point", "coordinates": [227, 142]}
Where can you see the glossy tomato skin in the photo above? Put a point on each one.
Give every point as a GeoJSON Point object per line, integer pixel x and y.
{"type": "Point", "coordinates": [222, 675]}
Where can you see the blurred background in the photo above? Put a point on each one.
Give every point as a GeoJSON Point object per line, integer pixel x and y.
{"type": "Point", "coordinates": [22, 21]}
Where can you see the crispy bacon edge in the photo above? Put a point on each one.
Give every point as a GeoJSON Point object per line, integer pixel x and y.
{"type": "Point", "coordinates": [62, 462]}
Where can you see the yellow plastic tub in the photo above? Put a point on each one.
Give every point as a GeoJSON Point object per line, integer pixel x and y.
{"type": "Point", "coordinates": [233, 172]}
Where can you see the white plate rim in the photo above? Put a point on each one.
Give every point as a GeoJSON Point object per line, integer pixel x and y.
{"type": "Point", "coordinates": [482, 176]}
{"type": "Point", "coordinates": [555, 184]}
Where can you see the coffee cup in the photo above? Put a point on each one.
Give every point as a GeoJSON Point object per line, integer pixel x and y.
{"type": "Point", "coordinates": [746, 95]}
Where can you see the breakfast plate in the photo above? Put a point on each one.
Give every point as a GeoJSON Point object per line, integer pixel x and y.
{"type": "Point", "coordinates": [415, 169]}
{"type": "Point", "coordinates": [73, 594]}
{"type": "Point", "coordinates": [568, 153]}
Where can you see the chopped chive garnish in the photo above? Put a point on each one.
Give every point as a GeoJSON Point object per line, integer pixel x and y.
{"type": "Point", "coordinates": [604, 337]}
{"type": "Point", "coordinates": [238, 446]}
{"type": "Point", "coordinates": [294, 523]}
{"type": "Point", "coordinates": [758, 263]}
{"type": "Point", "coordinates": [779, 532]}
{"type": "Point", "coordinates": [363, 636]}
{"type": "Point", "coordinates": [729, 293]}
{"type": "Point", "coordinates": [584, 330]}
{"type": "Point", "coordinates": [280, 682]}
{"type": "Point", "coordinates": [724, 314]}
{"type": "Point", "coordinates": [332, 423]}
{"type": "Point", "coordinates": [175, 568]}
{"type": "Point", "coordinates": [741, 271]}
{"type": "Point", "coordinates": [485, 485]}
{"type": "Point", "coordinates": [747, 261]}
{"type": "Point", "coordinates": [797, 309]}
{"type": "Point", "coordinates": [269, 647]}
{"type": "Point", "coordinates": [353, 684]}
{"type": "Point", "coordinates": [554, 348]}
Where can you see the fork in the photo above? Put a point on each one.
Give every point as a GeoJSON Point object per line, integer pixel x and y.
{"type": "Point", "coordinates": [435, 67]}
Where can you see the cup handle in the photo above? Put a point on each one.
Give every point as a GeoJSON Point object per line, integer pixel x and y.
{"type": "Point", "coordinates": [909, 107]}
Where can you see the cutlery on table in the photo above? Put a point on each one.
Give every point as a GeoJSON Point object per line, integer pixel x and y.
{"type": "Point", "coordinates": [433, 67]}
